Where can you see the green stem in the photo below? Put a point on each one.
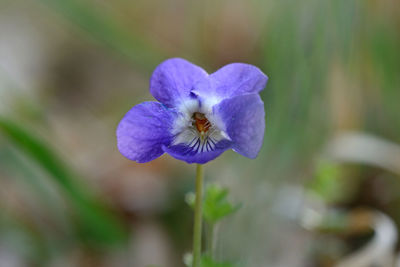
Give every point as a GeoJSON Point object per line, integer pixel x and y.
{"type": "Point", "coordinates": [198, 212]}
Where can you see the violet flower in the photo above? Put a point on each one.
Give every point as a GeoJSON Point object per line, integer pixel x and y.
{"type": "Point", "coordinates": [198, 115]}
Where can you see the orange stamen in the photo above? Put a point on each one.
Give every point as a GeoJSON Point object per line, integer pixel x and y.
{"type": "Point", "coordinates": [201, 122]}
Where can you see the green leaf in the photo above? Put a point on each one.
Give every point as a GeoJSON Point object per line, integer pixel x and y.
{"type": "Point", "coordinates": [216, 205]}
{"type": "Point", "coordinates": [207, 261]}
{"type": "Point", "coordinates": [96, 224]}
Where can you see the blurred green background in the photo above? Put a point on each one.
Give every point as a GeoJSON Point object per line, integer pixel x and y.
{"type": "Point", "coordinates": [70, 69]}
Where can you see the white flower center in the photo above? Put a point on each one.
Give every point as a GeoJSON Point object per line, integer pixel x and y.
{"type": "Point", "coordinates": [197, 127]}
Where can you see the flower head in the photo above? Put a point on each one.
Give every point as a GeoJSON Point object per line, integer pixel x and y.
{"type": "Point", "coordinates": [198, 116]}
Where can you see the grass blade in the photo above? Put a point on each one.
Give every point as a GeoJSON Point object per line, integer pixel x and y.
{"type": "Point", "coordinates": [96, 224]}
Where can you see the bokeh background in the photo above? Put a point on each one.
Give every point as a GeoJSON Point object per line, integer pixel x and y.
{"type": "Point", "coordinates": [324, 191]}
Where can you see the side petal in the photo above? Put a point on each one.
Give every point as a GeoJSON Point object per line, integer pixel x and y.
{"type": "Point", "coordinates": [173, 80]}
{"type": "Point", "coordinates": [191, 154]}
{"type": "Point", "coordinates": [144, 130]}
{"type": "Point", "coordinates": [232, 80]}
{"type": "Point", "coordinates": [244, 119]}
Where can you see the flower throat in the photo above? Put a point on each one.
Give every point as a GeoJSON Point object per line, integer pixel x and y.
{"type": "Point", "coordinates": [201, 123]}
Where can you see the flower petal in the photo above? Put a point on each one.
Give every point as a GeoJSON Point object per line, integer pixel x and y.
{"type": "Point", "coordinates": [187, 153]}
{"type": "Point", "coordinates": [244, 119]}
{"type": "Point", "coordinates": [232, 80]}
{"type": "Point", "coordinates": [173, 80]}
{"type": "Point", "coordinates": [144, 130]}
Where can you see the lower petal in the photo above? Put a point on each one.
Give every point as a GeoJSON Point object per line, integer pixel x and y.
{"type": "Point", "coordinates": [144, 130]}
{"type": "Point", "coordinates": [244, 119]}
{"type": "Point", "coordinates": [196, 152]}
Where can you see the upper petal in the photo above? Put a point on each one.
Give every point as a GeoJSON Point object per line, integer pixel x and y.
{"type": "Point", "coordinates": [144, 130]}
{"type": "Point", "coordinates": [244, 119]}
{"type": "Point", "coordinates": [173, 80]}
{"type": "Point", "coordinates": [232, 80]}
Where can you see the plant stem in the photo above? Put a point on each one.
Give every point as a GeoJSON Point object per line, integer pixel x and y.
{"type": "Point", "coordinates": [198, 213]}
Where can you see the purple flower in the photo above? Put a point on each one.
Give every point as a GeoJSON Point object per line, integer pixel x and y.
{"type": "Point", "coordinates": [198, 115]}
